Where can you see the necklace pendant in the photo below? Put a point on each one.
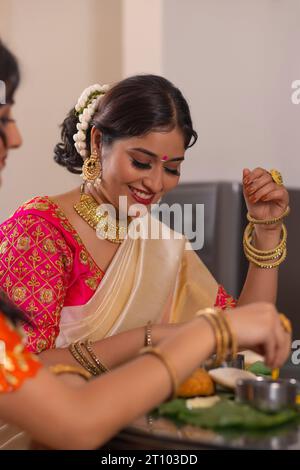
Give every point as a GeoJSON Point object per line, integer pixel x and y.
{"type": "Point", "coordinates": [106, 227]}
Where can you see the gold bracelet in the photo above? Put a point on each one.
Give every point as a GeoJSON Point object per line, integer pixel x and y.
{"type": "Point", "coordinates": [101, 367]}
{"type": "Point", "coordinates": [264, 259]}
{"type": "Point", "coordinates": [226, 335]}
{"type": "Point", "coordinates": [210, 315]}
{"type": "Point", "coordinates": [275, 220]}
{"type": "Point", "coordinates": [89, 365]}
{"type": "Point", "coordinates": [148, 334]}
{"type": "Point", "coordinates": [76, 352]}
{"type": "Point", "coordinates": [226, 340]}
{"type": "Point", "coordinates": [160, 355]}
{"type": "Point", "coordinates": [275, 256]}
{"type": "Point", "coordinates": [58, 369]}
{"type": "Point", "coordinates": [218, 337]}
{"type": "Point", "coordinates": [248, 238]}
{"type": "Point", "coordinates": [267, 265]}
{"type": "Point", "coordinates": [233, 345]}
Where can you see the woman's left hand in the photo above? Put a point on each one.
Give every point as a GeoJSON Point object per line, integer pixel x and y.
{"type": "Point", "coordinates": [264, 198]}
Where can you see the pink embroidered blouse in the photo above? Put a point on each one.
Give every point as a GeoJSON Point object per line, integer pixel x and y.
{"type": "Point", "coordinates": [44, 266]}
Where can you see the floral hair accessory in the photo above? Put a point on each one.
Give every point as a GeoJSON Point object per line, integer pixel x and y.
{"type": "Point", "coordinates": [85, 109]}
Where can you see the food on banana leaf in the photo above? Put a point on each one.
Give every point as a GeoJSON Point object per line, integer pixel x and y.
{"type": "Point", "coordinates": [199, 383]}
{"type": "Point", "coordinates": [228, 376]}
{"type": "Point", "coordinates": [202, 402]}
{"type": "Point", "coordinates": [226, 414]}
{"type": "Point", "coordinates": [250, 357]}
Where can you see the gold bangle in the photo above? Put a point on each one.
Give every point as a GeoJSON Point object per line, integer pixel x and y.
{"type": "Point", "coordinates": [77, 353]}
{"type": "Point", "coordinates": [248, 238]}
{"type": "Point", "coordinates": [148, 334]}
{"type": "Point", "coordinates": [218, 337]}
{"type": "Point", "coordinates": [275, 256]}
{"type": "Point", "coordinates": [264, 259]}
{"type": "Point", "coordinates": [210, 315]}
{"type": "Point", "coordinates": [88, 365]}
{"type": "Point", "coordinates": [267, 265]}
{"type": "Point", "coordinates": [58, 369]}
{"type": "Point", "coordinates": [233, 344]}
{"type": "Point", "coordinates": [226, 340]}
{"type": "Point", "coordinates": [160, 355]}
{"type": "Point", "coordinates": [101, 367]}
{"type": "Point", "coordinates": [226, 335]}
{"type": "Point", "coordinates": [275, 220]}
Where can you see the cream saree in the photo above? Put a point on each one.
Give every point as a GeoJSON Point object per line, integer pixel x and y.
{"type": "Point", "coordinates": [162, 280]}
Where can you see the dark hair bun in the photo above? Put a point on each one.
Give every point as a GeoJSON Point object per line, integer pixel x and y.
{"type": "Point", "coordinates": [65, 153]}
{"type": "Point", "coordinates": [133, 107]}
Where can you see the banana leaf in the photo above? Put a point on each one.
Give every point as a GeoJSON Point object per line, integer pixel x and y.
{"type": "Point", "coordinates": [226, 414]}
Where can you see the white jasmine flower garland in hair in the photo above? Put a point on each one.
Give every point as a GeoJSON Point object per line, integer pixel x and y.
{"type": "Point", "coordinates": [85, 109]}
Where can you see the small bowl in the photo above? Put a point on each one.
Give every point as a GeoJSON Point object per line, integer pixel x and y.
{"type": "Point", "coordinates": [237, 363]}
{"type": "Point", "coordinates": [267, 395]}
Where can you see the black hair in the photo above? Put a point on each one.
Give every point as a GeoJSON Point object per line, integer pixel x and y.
{"type": "Point", "coordinates": [9, 310]}
{"type": "Point", "coordinates": [10, 75]}
{"type": "Point", "coordinates": [133, 107]}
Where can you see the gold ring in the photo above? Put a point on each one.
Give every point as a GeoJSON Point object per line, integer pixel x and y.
{"type": "Point", "coordinates": [276, 177]}
{"type": "Point", "coordinates": [285, 322]}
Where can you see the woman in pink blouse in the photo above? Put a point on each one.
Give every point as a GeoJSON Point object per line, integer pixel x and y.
{"type": "Point", "coordinates": [128, 140]}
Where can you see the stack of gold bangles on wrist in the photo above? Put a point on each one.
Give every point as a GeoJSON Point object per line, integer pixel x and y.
{"type": "Point", "coordinates": [270, 258]}
{"type": "Point", "coordinates": [226, 341]}
{"type": "Point", "coordinates": [83, 353]}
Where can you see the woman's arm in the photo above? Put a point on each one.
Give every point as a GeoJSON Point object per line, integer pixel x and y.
{"type": "Point", "coordinates": [87, 416]}
{"type": "Point", "coordinates": [265, 200]}
{"type": "Point", "coordinates": [261, 284]}
{"type": "Point", "coordinates": [114, 350]}
{"type": "Point", "coordinates": [62, 416]}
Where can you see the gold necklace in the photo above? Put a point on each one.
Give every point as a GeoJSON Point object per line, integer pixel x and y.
{"type": "Point", "coordinates": [106, 226]}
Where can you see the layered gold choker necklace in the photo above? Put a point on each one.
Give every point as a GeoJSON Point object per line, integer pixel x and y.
{"type": "Point", "coordinates": [106, 226]}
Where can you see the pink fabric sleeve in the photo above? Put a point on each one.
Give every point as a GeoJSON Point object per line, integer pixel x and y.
{"type": "Point", "coordinates": [35, 265]}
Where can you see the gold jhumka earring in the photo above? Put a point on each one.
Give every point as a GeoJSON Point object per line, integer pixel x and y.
{"type": "Point", "coordinates": [92, 169]}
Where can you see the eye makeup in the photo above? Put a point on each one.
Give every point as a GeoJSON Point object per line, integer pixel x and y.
{"type": "Point", "coordinates": [147, 166]}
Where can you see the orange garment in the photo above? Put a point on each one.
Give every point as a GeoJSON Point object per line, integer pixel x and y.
{"type": "Point", "coordinates": [16, 363]}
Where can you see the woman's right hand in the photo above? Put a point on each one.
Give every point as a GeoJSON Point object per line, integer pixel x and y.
{"type": "Point", "coordinates": [258, 327]}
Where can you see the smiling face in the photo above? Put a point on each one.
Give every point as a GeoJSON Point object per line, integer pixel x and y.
{"type": "Point", "coordinates": [11, 132]}
{"type": "Point", "coordinates": [141, 168]}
